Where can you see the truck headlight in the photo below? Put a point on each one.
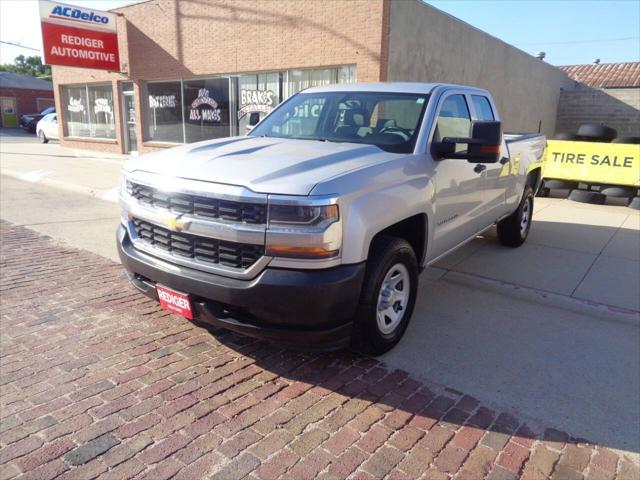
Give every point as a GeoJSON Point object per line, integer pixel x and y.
{"type": "Point", "coordinates": [303, 231]}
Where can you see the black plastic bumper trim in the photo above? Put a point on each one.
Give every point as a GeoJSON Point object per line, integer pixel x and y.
{"type": "Point", "coordinates": [299, 308]}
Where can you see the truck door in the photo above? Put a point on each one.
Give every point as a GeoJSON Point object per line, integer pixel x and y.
{"type": "Point", "coordinates": [458, 195]}
{"type": "Point", "coordinates": [497, 176]}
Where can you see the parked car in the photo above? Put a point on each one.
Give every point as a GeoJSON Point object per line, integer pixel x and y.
{"type": "Point", "coordinates": [312, 230]}
{"type": "Point", "coordinates": [28, 121]}
{"type": "Point", "coordinates": [47, 128]}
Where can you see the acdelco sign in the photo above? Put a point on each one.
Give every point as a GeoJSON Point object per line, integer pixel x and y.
{"type": "Point", "coordinates": [75, 13]}
{"type": "Point", "coordinates": [79, 37]}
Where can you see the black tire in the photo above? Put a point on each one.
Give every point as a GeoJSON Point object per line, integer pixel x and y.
{"type": "Point", "coordinates": [560, 184]}
{"type": "Point", "coordinates": [385, 256]}
{"type": "Point", "coordinates": [566, 136]}
{"type": "Point", "coordinates": [596, 132]}
{"type": "Point", "coordinates": [43, 138]}
{"type": "Point", "coordinates": [618, 191]}
{"type": "Point", "coordinates": [635, 203]}
{"type": "Point", "coordinates": [512, 231]}
{"type": "Point", "coordinates": [587, 196]}
{"type": "Point", "coordinates": [627, 140]}
{"type": "Point", "coordinates": [543, 191]}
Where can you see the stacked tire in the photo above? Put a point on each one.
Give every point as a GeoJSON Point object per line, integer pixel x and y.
{"type": "Point", "coordinates": [594, 132]}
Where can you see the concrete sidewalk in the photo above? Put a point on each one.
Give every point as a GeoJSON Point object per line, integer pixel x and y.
{"type": "Point", "coordinates": [93, 173]}
{"type": "Point", "coordinates": [588, 252]}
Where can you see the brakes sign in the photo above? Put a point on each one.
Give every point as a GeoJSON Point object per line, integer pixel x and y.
{"type": "Point", "coordinates": [79, 37]}
{"type": "Point", "coordinates": [175, 301]}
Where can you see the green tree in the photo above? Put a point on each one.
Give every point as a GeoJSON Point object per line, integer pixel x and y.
{"type": "Point", "coordinates": [31, 65]}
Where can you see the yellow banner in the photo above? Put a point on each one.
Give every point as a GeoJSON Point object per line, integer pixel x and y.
{"type": "Point", "coordinates": [597, 163]}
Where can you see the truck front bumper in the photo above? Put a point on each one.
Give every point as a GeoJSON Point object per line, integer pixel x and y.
{"type": "Point", "coordinates": [296, 308]}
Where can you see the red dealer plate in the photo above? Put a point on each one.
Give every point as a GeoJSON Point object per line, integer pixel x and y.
{"type": "Point", "coordinates": [175, 301]}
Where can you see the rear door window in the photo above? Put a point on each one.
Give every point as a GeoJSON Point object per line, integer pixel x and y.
{"type": "Point", "coordinates": [454, 120]}
{"type": "Point", "coordinates": [483, 108]}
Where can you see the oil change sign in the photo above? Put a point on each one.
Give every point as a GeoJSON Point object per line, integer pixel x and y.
{"type": "Point", "coordinates": [598, 163]}
{"type": "Point", "coordinates": [79, 37]}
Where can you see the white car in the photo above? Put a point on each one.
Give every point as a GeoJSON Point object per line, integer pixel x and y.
{"type": "Point", "coordinates": [47, 128]}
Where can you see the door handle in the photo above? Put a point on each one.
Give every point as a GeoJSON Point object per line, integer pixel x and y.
{"type": "Point", "coordinates": [479, 168]}
{"type": "Point", "coordinates": [504, 160]}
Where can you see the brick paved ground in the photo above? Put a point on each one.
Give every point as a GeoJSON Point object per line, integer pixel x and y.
{"type": "Point", "coordinates": [98, 382]}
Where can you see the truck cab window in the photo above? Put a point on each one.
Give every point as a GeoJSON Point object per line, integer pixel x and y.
{"type": "Point", "coordinates": [483, 108]}
{"type": "Point", "coordinates": [454, 120]}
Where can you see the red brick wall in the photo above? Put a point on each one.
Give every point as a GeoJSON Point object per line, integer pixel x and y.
{"type": "Point", "coordinates": [167, 39]}
{"type": "Point", "coordinates": [26, 100]}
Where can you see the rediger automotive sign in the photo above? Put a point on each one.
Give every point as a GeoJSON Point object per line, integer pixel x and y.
{"type": "Point", "coordinates": [79, 37]}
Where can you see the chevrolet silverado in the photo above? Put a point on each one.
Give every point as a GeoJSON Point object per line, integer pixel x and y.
{"type": "Point", "coordinates": [312, 230]}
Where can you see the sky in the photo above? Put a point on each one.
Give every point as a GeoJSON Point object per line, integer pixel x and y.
{"type": "Point", "coordinates": [569, 31]}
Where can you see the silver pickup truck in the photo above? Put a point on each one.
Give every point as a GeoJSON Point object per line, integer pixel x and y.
{"type": "Point", "coordinates": [312, 230]}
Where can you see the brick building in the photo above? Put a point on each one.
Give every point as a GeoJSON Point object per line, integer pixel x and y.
{"type": "Point", "coordinates": [195, 69]}
{"type": "Point", "coordinates": [606, 93]}
{"type": "Point", "coordinates": [20, 94]}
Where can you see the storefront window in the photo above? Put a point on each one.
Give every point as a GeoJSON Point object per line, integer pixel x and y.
{"type": "Point", "coordinates": [89, 112]}
{"type": "Point", "coordinates": [163, 114]}
{"type": "Point", "coordinates": [76, 111]}
{"type": "Point", "coordinates": [193, 110]}
{"type": "Point", "coordinates": [257, 94]}
{"type": "Point", "coordinates": [296, 80]}
{"type": "Point", "coordinates": [206, 109]}
{"type": "Point", "coordinates": [101, 113]}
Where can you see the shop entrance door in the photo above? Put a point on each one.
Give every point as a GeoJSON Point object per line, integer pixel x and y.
{"type": "Point", "coordinates": [9, 117]}
{"type": "Point", "coordinates": [129, 118]}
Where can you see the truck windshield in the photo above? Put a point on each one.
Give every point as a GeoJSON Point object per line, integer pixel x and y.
{"type": "Point", "coordinates": [390, 121]}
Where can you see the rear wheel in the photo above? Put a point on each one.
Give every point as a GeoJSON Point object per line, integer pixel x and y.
{"type": "Point", "coordinates": [43, 138]}
{"type": "Point", "coordinates": [388, 295]}
{"type": "Point", "coordinates": [514, 230]}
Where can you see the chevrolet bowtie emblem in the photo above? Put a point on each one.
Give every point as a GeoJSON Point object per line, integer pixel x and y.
{"type": "Point", "coordinates": [174, 223]}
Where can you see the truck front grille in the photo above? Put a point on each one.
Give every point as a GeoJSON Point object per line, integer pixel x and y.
{"type": "Point", "coordinates": [200, 249]}
{"type": "Point", "coordinates": [211, 208]}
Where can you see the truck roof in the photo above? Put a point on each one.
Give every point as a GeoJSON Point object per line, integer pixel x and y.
{"type": "Point", "coordinates": [395, 87]}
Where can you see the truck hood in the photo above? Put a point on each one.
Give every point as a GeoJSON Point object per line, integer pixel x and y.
{"type": "Point", "coordinates": [264, 165]}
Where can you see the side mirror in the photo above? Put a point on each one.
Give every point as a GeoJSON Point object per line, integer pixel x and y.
{"type": "Point", "coordinates": [483, 146]}
{"type": "Point", "coordinates": [254, 118]}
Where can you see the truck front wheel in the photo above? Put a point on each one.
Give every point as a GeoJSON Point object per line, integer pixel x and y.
{"type": "Point", "coordinates": [388, 295]}
{"type": "Point", "coordinates": [513, 230]}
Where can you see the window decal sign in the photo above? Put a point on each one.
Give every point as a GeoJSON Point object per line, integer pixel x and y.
{"type": "Point", "coordinates": [162, 101]}
{"type": "Point", "coordinates": [75, 105]}
{"type": "Point", "coordinates": [102, 105]}
{"type": "Point", "coordinates": [255, 101]}
{"type": "Point", "coordinates": [79, 37]}
{"type": "Point", "coordinates": [211, 110]}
